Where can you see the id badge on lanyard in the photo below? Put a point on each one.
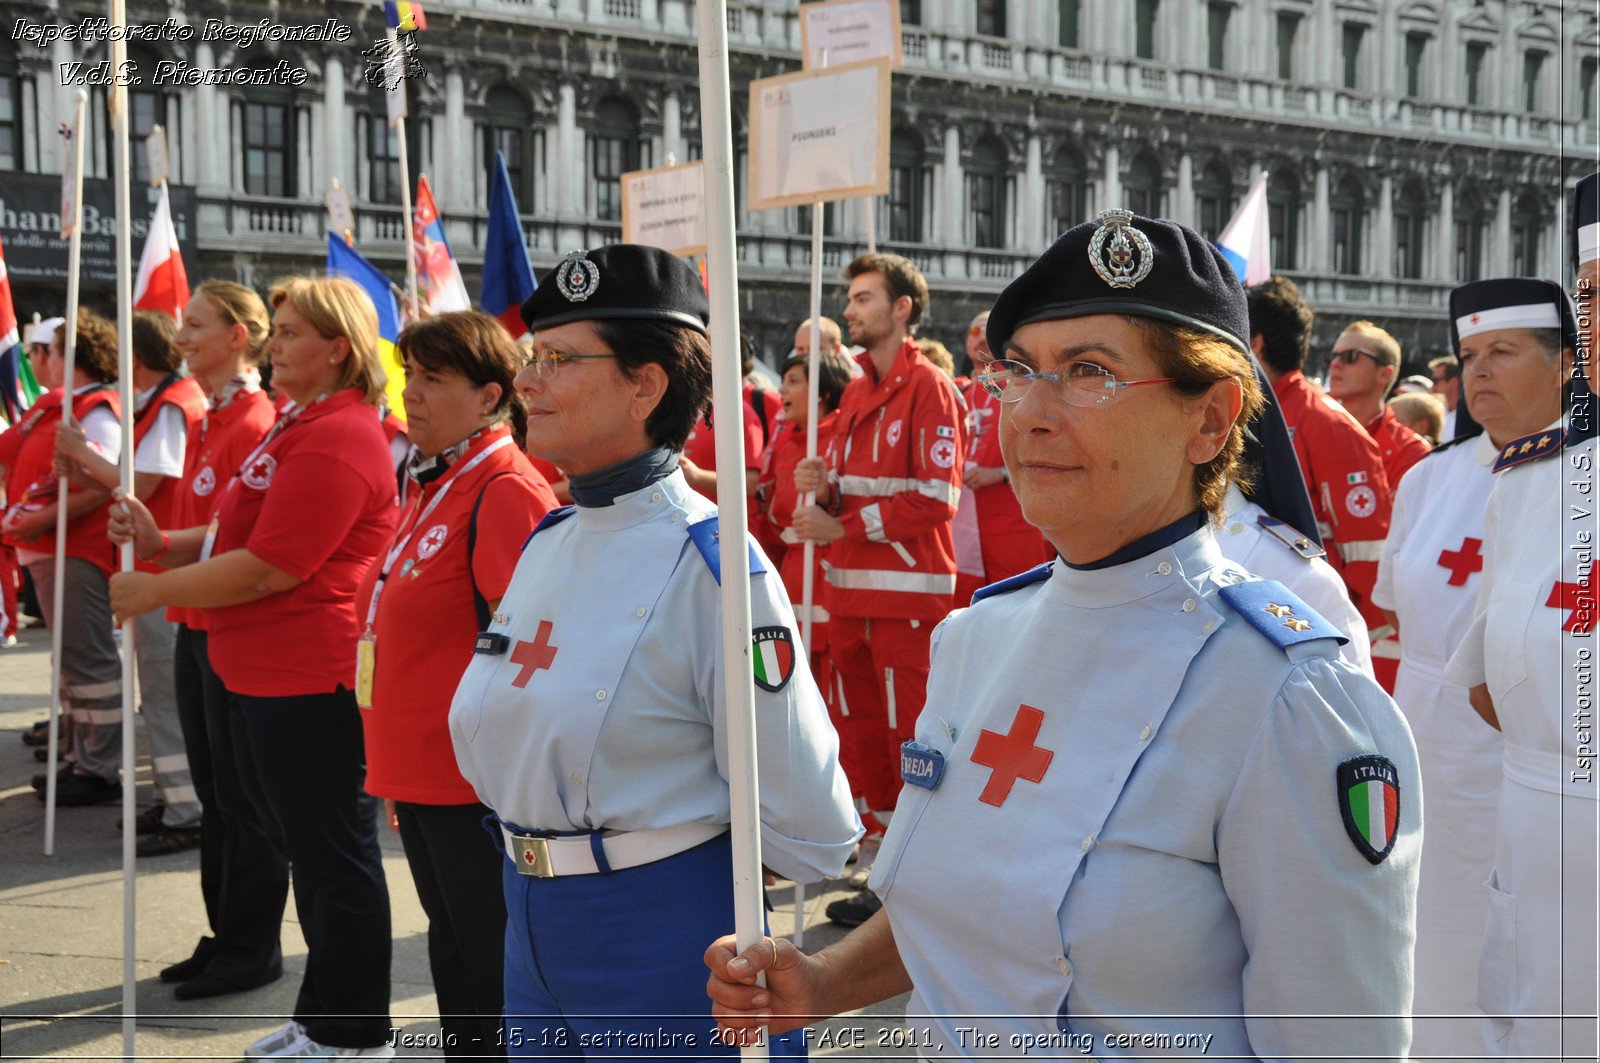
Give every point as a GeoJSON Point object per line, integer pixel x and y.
{"type": "Point", "coordinates": [367, 644]}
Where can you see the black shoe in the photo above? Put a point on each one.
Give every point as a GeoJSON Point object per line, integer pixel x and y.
{"type": "Point", "coordinates": [41, 779]}
{"type": "Point", "coordinates": [184, 970]}
{"type": "Point", "coordinates": [42, 753]}
{"type": "Point", "coordinates": [853, 911]}
{"type": "Point", "coordinates": [79, 788]}
{"type": "Point", "coordinates": [148, 821]}
{"type": "Point", "coordinates": [37, 735]}
{"type": "Point", "coordinates": [205, 985]}
{"type": "Point", "coordinates": [168, 840]}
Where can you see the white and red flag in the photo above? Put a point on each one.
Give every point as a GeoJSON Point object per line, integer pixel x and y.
{"type": "Point", "coordinates": [439, 283]}
{"type": "Point", "coordinates": [162, 284]}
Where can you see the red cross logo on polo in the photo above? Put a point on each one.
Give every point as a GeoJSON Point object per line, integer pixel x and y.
{"type": "Point", "coordinates": [1361, 501]}
{"type": "Point", "coordinates": [1579, 599]}
{"type": "Point", "coordinates": [431, 541]}
{"type": "Point", "coordinates": [532, 656]}
{"type": "Point", "coordinates": [892, 436]}
{"type": "Point", "coordinates": [1013, 756]}
{"type": "Point", "coordinates": [1463, 562]}
{"type": "Point", "coordinates": [205, 481]}
{"type": "Point", "coordinates": [258, 474]}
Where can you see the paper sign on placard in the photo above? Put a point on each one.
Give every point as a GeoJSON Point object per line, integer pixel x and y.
{"type": "Point", "coordinates": [340, 219]}
{"type": "Point", "coordinates": [820, 135]}
{"type": "Point", "coordinates": [664, 208]}
{"type": "Point", "coordinates": [849, 31]}
{"type": "Point", "coordinates": [155, 148]}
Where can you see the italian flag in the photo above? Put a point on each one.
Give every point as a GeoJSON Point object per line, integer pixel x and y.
{"type": "Point", "coordinates": [1374, 806]}
{"type": "Point", "coordinates": [773, 657]}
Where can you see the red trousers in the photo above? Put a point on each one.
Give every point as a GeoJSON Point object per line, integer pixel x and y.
{"type": "Point", "coordinates": [10, 578]}
{"type": "Point", "coordinates": [881, 680]}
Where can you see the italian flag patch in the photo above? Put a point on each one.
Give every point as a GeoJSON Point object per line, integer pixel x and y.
{"type": "Point", "coordinates": [1369, 804]}
{"type": "Point", "coordinates": [772, 652]}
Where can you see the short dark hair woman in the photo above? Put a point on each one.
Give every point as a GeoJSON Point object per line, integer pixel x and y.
{"type": "Point", "coordinates": [591, 719]}
{"type": "Point", "coordinates": [471, 499]}
{"type": "Point", "coordinates": [1166, 757]}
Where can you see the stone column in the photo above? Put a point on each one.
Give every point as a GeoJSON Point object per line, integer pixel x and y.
{"type": "Point", "coordinates": [1184, 209]}
{"type": "Point", "coordinates": [1381, 260]}
{"type": "Point", "coordinates": [671, 131]}
{"type": "Point", "coordinates": [335, 120]}
{"type": "Point", "coordinates": [1321, 251]}
{"type": "Point", "coordinates": [456, 191]}
{"type": "Point", "coordinates": [569, 158]}
{"type": "Point", "coordinates": [1500, 254]}
{"type": "Point", "coordinates": [1444, 265]}
{"type": "Point", "coordinates": [1033, 194]}
{"type": "Point", "coordinates": [954, 228]}
{"type": "Point", "coordinates": [1111, 194]}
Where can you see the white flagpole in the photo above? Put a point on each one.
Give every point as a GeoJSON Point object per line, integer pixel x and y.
{"type": "Point", "coordinates": [738, 676]}
{"type": "Point", "coordinates": [69, 369]}
{"type": "Point", "coordinates": [124, 179]}
{"type": "Point", "coordinates": [813, 373]}
{"type": "Point", "coordinates": [872, 225]}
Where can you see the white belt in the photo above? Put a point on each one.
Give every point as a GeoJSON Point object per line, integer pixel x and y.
{"type": "Point", "coordinates": [573, 854]}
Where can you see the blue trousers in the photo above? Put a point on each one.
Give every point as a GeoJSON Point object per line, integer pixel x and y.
{"type": "Point", "coordinates": [610, 965]}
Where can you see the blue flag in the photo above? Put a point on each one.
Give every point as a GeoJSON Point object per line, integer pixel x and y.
{"type": "Point", "coordinates": [507, 274]}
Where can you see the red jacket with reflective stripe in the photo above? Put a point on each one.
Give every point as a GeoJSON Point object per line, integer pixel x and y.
{"type": "Point", "coordinates": [1344, 472]}
{"type": "Point", "coordinates": [1400, 446]}
{"type": "Point", "coordinates": [32, 475]}
{"type": "Point", "coordinates": [184, 393]}
{"type": "Point", "coordinates": [897, 451]}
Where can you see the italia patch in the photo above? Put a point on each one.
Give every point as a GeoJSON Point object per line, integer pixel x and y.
{"type": "Point", "coordinates": [1369, 803]}
{"type": "Point", "coordinates": [772, 654]}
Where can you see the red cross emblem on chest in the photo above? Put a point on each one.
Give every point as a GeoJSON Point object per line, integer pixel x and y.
{"type": "Point", "coordinates": [1463, 562]}
{"type": "Point", "coordinates": [532, 656]}
{"type": "Point", "coordinates": [1013, 756]}
{"type": "Point", "coordinates": [1580, 599]}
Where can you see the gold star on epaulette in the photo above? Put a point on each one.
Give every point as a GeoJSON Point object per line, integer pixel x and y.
{"type": "Point", "coordinates": [1545, 441]}
{"type": "Point", "coordinates": [1279, 610]}
{"type": "Point", "coordinates": [1509, 451]}
{"type": "Point", "coordinates": [1296, 624]}
{"type": "Point", "coordinates": [1527, 446]}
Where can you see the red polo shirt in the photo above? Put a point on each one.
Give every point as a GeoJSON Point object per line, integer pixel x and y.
{"type": "Point", "coordinates": [217, 446]}
{"type": "Point", "coordinates": [1401, 447]}
{"type": "Point", "coordinates": [418, 664]}
{"type": "Point", "coordinates": [318, 502]}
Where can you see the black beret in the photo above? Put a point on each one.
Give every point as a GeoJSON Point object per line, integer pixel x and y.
{"type": "Point", "coordinates": [1586, 221]}
{"type": "Point", "coordinates": [620, 282]}
{"type": "Point", "coordinates": [1122, 263]}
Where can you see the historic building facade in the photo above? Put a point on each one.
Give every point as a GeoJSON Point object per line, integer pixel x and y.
{"type": "Point", "coordinates": [1411, 144]}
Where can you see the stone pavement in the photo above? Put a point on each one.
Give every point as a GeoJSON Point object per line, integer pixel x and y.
{"type": "Point", "coordinates": [61, 926]}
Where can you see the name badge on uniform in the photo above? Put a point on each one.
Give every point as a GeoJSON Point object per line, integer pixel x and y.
{"type": "Point", "coordinates": [491, 644]}
{"type": "Point", "coordinates": [921, 765]}
{"type": "Point", "coordinates": [366, 667]}
{"type": "Point", "coordinates": [210, 540]}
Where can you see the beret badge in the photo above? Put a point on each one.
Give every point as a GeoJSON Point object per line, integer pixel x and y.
{"type": "Point", "coordinates": [1129, 256]}
{"type": "Point", "coordinates": [577, 278]}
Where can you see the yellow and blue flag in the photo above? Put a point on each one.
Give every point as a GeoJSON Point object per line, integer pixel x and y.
{"type": "Point", "coordinates": [346, 261]}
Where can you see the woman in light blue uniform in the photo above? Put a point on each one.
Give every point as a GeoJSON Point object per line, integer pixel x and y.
{"type": "Point", "coordinates": [591, 719]}
{"type": "Point", "coordinates": [1209, 822]}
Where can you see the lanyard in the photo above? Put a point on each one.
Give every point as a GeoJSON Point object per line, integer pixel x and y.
{"type": "Point", "coordinates": [402, 541]}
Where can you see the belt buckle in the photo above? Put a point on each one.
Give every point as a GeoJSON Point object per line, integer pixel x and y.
{"type": "Point", "coordinates": [533, 856]}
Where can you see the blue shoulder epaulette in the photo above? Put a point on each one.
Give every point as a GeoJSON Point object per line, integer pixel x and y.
{"type": "Point", "coordinates": [1005, 586]}
{"type": "Point", "coordinates": [1291, 537]}
{"type": "Point", "coordinates": [705, 535]}
{"type": "Point", "coordinates": [1278, 613]}
{"type": "Point", "coordinates": [1529, 448]}
{"type": "Point", "coordinates": [555, 516]}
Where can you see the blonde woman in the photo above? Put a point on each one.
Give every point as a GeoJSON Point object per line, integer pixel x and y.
{"type": "Point", "coordinates": [294, 530]}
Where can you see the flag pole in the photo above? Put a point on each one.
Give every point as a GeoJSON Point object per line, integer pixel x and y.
{"type": "Point", "coordinates": [124, 178]}
{"type": "Point", "coordinates": [397, 121]}
{"type": "Point", "coordinates": [813, 374]}
{"type": "Point", "coordinates": [728, 396]}
{"type": "Point", "coordinates": [58, 589]}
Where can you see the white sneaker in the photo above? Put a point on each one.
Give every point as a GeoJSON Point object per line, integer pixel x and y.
{"type": "Point", "coordinates": [8, 642]}
{"type": "Point", "coordinates": [306, 1048]}
{"type": "Point", "coordinates": [276, 1041]}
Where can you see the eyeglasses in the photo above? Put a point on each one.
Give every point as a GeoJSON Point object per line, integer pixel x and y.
{"type": "Point", "coordinates": [1348, 357]}
{"type": "Point", "coordinates": [1079, 383]}
{"type": "Point", "coordinates": [976, 330]}
{"type": "Point", "coordinates": [545, 363]}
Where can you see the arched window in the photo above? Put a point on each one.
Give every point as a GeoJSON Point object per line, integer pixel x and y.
{"type": "Point", "coordinates": [1526, 221]}
{"type": "Point", "coordinates": [1348, 217]}
{"type": "Point", "coordinates": [269, 147]}
{"type": "Point", "coordinates": [1069, 188]}
{"type": "Point", "coordinates": [507, 124]}
{"type": "Point", "coordinates": [986, 183]}
{"type": "Point", "coordinates": [10, 114]}
{"type": "Point", "coordinates": [1472, 234]}
{"type": "Point", "coordinates": [991, 18]}
{"type": "Point", "coordinates": [1142, 192]}
{"type": "Point", "coordinates": [614, 151]}
{"type": "Point", "coordinates": [1410, 229]}
{"type": "Point", "coordinates": [907, 163]}
{"type": "Point", "coordinates": [1283, 219]}
{"type": "Point", "coordinates": [1213, 197]}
